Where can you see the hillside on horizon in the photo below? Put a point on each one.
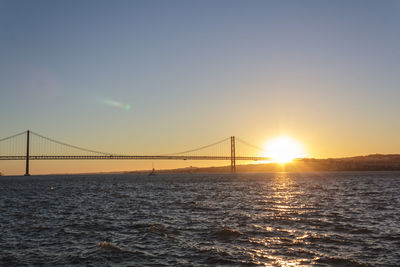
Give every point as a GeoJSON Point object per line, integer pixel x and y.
{"type": "Point", "coordinates": [372, 162]}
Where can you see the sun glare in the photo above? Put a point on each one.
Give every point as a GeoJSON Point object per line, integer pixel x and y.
{"type": "Point", "coordinates": [283, 149]}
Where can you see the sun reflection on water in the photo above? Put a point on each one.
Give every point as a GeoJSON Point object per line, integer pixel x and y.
{"type": "Point", "coordinates": [282, 206]}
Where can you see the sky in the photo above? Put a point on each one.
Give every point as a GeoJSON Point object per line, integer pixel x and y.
{"type": "Point", "coordinates": [166, 76]}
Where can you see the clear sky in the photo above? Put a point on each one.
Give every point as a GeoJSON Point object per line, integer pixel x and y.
{"type": "Point", "coordinates": [165, 76]}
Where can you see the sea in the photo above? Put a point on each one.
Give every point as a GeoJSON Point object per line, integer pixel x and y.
{"type": "Point", "coordinates": [263, 219]}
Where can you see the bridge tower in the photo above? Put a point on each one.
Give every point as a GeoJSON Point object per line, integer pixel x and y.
{"type": "Point", "coordinates": [27, 154]}
{"type": "Point", "coordinates": [233, 156]}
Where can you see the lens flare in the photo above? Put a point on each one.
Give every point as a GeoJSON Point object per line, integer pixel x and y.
{"type": "Point", "coordinates": [117, 104]}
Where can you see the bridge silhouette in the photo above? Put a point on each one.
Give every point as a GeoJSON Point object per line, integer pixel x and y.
{"type": "Point", "coordinates": [29, 146]}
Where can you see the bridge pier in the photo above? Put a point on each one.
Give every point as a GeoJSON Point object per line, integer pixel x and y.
{"type": "Point", "coordinates": [27, 154]}
{"type": "Point", "coordinates": [233, 156]}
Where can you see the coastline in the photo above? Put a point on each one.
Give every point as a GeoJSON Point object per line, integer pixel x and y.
{"type": "Point", "coordinates": [370, 163]}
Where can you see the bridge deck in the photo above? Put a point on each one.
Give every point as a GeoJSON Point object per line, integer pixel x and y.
{"type": "Point", "coordinates": [121, 157]}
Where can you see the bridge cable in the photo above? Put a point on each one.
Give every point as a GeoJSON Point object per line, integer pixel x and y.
{"type": "Point", "coordinates": [72, 146]}
{"type": "Point", "coordinates": [200, 148]}
{"type": "Point", "coordinates": [253, 146]}
{"type": "Point", "coordinates": [12, 136]}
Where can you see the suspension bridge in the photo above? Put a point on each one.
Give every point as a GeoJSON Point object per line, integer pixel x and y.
{"type": "Point", "coordinates": [29, 146]}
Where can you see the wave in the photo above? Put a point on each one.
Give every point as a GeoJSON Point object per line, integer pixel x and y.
{"type": "Point", "coordinates": [342, 262]}
{"type": "Point", "coordinates": [108, 246]}
{"type": "Point", "coordinates": [227, 232]}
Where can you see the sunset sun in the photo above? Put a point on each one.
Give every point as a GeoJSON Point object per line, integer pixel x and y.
{"type": "Point", "coordinates": [283, 149]}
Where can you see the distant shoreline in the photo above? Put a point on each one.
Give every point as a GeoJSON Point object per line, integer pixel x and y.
{"type": "Point", "coordinates": [375, 162]}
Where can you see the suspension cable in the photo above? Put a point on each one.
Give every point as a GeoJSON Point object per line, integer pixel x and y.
{"type": "Point", "coordinates": [200, 148]}
{"type": "Point", "coordinates": [12, 136]}
{"type": "Point", "coordinates": [72, 146]}
{"type": "Point", "coordinates": [253, 146]}
{"type": "Point", "coordinates": [104, 153]}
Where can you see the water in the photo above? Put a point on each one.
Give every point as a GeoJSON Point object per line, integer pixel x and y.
{"type": "Point", "coordinates": [324, 219]}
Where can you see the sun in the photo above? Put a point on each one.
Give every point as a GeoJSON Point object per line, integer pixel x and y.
{"type": "Point", "coordinates": [283, 149]}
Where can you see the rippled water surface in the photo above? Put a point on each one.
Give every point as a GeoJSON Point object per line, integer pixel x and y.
{"type": "Point", "coordinates": [324, 219]}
